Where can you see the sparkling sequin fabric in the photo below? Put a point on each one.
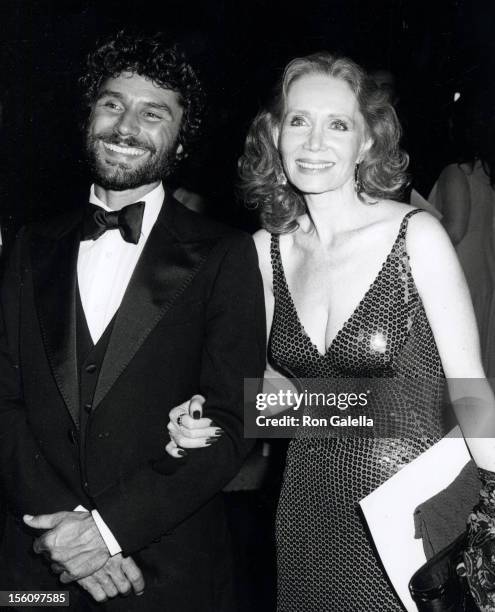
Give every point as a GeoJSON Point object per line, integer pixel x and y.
{"type": "Point", "coordinates": [326, 562]}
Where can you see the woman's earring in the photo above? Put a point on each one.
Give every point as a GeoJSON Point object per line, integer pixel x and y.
{"type": "Point", "coordinates": [281, 179]}
{"type": "Point", "coordinates": [358, 183]}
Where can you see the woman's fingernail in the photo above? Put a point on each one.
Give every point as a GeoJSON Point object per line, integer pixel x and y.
{"type": "Point", "coordinates": [218, 431]}
{"type": "Point", "coordinates": [211, 440]}
{"type": "Point", "coordinates": [196, 414]}
{"type": "Point", "coordinates": [181, 452]}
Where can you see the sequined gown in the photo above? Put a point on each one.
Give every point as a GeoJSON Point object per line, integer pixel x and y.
{"type": "Point", "coordinates": [326, 562]}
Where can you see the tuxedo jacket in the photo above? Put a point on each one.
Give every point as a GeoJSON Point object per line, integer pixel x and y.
{"type": "Point", "coordinates": [191, 321]}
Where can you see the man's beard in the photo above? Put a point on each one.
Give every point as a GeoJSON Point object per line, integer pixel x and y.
{"type": "Point", "coordinates": [121, 176]}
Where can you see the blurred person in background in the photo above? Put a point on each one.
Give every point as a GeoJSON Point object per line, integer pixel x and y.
{"type": "Point", "coordinates": [465, 196]}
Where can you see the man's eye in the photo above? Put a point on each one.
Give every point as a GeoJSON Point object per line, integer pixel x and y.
{"type": "Point", "coordinates": [112, 105]}
{"type": "Point", "coordinates": [338, 124]}
{"type": "Point", "coordinates": [153, 116]}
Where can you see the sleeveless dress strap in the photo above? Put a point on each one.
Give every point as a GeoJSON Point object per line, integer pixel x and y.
{"type": "Point", "coordinates": [405, 221]}
{"type": "Point", "coordinates": [275, 259]}
{"type": "Point", "coordinates": [275, 246]}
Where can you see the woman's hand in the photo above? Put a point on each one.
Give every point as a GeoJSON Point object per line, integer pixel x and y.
{"type": "Point", "coordinates": [187, 428]}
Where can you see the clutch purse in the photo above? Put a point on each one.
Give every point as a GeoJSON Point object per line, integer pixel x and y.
{"type": "Point", "coordinates": [440, 584]}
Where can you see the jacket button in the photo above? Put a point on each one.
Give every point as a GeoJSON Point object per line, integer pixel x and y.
{"type": "Point", "coordinates": [90, 368]}
{"type": "Point", "coordinates": [87, 408]}
{"type": "Point", "coordinates": [86, 484]}
{"type": "Point", "coordinates": [72, 436]}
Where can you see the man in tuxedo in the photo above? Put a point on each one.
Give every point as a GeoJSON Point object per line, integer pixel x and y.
{"type": "Point", "coordinates": [112, 315]}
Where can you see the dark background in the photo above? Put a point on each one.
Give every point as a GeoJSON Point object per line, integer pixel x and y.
{"type": "Point", "coordinates": [434, 47]}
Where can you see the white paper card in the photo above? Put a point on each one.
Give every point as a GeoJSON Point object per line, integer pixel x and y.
{"type": "Point", "coordinates": [389, 510]}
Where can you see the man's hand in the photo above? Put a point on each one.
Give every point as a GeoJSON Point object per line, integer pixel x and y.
{"type": "Point", "coordinates": [72, 541]}
{"type": "Point", "coordinates": [119, 575]}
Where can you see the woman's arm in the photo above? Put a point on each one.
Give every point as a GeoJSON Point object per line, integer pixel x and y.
{"type": "Point", "coordinates": [445, 295]}
{"type": "Point", "coordinates": [186, 426]}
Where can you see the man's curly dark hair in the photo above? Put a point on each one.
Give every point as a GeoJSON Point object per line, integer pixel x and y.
{"type": "Point", "coordinates": [151, 57]}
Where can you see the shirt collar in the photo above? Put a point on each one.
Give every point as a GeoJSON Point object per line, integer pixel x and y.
{"type": "Point", "coordinates": [153, 203]}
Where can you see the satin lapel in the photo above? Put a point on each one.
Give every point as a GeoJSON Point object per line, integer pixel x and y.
{"type": "Point", "coordinates": [165, 269]}
{"type": "Point", "coordinates": [54, 260]}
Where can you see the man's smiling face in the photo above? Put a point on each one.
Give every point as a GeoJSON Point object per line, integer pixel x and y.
{"type": "Point", "coordinates": [131, 138]}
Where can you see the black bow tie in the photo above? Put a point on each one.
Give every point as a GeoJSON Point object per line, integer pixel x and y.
{"type": "Point", "coordinates": [128, 221]}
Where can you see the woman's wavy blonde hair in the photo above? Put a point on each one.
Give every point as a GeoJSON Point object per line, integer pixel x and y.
{"type": "Point", "coordinates": [381, 172]}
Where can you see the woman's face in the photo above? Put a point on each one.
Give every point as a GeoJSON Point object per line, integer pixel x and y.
{"type": "Point", "coordinates": [322, 135]}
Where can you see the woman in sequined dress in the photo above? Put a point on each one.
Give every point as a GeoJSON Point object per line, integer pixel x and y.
{"type": "Point", "coordinates": [356, 285]}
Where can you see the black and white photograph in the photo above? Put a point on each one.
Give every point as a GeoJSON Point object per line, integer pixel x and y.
{"type": "Point", "coordinates": [247, 305]}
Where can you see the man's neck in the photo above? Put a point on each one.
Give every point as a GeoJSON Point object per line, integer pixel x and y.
{"type": "Point", "coordinates": [118, 199]}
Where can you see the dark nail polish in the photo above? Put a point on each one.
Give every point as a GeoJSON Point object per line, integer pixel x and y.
{"type": "Point", "coordinates": [182, 452]}
{"type": "Point", "coordinates": [211, 440]}
{"type": "Point", "coordinates": [218, 431]}
{"type": "Point", "coordinates": [196, 414]}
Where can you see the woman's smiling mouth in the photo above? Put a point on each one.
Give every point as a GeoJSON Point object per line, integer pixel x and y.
{"type": "Point", "coordinates": [314, 166]}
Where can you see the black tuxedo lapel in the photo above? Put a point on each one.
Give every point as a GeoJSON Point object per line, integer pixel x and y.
{"type": "Point", "coordinates": [166, 267]}
{"type": "Point", "coordinates": [54, 260]}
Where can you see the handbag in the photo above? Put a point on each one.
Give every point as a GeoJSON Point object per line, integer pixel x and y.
{"type": "Point", "coordinates": [439, 585]}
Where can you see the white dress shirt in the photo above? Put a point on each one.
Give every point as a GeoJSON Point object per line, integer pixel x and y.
{"type": "Point", "coordinates": [105, 265]}
{"type": "Point", "coordinates": [104, 269]}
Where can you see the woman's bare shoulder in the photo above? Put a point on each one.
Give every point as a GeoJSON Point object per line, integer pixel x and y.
{"type": "Point", "coordinates": [262, 241]}
{"type": "Point", "coordinates": [425, 233]}
{"type": "Point", "coordinates": [429, 247]}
